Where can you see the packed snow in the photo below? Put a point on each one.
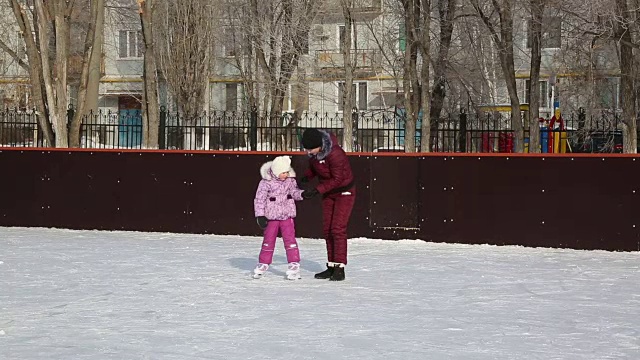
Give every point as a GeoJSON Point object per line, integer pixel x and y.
{"type": "Point", "coordinates": [129, 295]}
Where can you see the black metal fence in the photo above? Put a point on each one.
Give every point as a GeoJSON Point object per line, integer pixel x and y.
{"type": "Point", "coordinates": [112, 130]}
{"type": "Point", "coordinates": [19, 129]}
{"type": "Point", "coordinates": [372, 131]}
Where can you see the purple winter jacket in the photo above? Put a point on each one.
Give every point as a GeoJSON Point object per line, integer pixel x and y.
{"type": "Point", "coordinates": [275, 198]}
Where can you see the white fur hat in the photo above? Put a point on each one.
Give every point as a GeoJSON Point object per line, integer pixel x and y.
{"type": "Point", "coordinates": [280, 165]}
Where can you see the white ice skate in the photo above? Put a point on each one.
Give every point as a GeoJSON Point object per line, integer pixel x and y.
{"type": "Point", "coordinates": [259, 271]}
{"type": "Point", "coordinates": [293, 271]}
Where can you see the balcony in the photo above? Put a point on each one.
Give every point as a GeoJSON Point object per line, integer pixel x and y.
{"type": "Point", "coordinates": [361, 10]}
{"type": "Point", "coordinates": [332, 62]}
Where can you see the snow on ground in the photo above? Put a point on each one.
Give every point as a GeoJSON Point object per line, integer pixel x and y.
{"type": "Point", "coordinates": [126, 295]}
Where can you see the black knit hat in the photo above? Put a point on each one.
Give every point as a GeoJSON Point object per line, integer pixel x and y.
{"type": "Point", "coordinates": [311, 139]}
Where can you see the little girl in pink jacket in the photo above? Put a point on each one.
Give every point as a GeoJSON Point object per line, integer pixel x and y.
{"type": "Point", "coordinates": [275, 210]}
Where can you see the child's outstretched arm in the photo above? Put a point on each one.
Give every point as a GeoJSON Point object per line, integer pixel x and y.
{"type": "Point", "coordinates": [294, 190]}
{"type": "Point", "coordinates": [260, 200]}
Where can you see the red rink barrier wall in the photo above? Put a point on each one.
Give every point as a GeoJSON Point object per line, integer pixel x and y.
{"type": "Point", "coordinates": [567, 201]}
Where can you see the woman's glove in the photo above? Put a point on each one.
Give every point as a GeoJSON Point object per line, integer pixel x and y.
{"type": "Point", "coordinates": [308, 194]}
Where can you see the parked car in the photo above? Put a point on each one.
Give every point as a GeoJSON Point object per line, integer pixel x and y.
{"type": "Point", "coordinates": [597, 142]}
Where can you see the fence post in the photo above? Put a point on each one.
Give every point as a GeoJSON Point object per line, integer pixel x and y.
{"type": "Point", "coordinates": [38, 135]}
{"type": "Point", "coordinates": [355, 116]}
{"type": "Point", "coordinates": [462, 133]}
{"type": "Point", "coordinates": [253, 129]}
{"type": "Point", "coordinates": [70, 113]}
{"type": "Point", "coordinates": [162, 129]}
{"type": "Point", "coordinates": [582, 118]}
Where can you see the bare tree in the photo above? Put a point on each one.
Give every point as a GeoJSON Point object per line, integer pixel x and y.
{"type": "Point", "coordinates": [265, 41]}
{"type": "Point", "coordinates": [417, 16]}
{"type": "Point", "coordinates": [46, 31]}
{"type": "Point", "coordinates": [36, 71]}
{"type": "Point", "coordinates": [150, 103]}
{"type": "Point", "coordinates": [347, 97]}
{"type": "Point", "coordinates": [502, 35]}
{"type": "Point", "coordinates": [536, 8]}
{"type": "Point", "coordinates": [90, 77]}
{"type": "Point", "coordinates": [624, 29]}
{"type": "Point", "coordinates": [446, 19]}
{"type": "Point", "coordinates": [186, 41]}
{"type": "Point", "coordinates": [95, 43]}
{"type": "Point", "coordinates": [609, 40]}
{"type": "Point", "coordinates": [474, 63]}
{"type": "Point", "coordinates": [425, 52]}
{"type": "Point", "coordinates": [54, 15]}
{"type": "Point", "coordinates": [279, 36]}
{"type": "Point", "coordinates": [14, 65]}
{"type": "Point", "coordinates": [237, 47]}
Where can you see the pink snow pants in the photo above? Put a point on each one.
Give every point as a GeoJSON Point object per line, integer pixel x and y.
{"type": "Point", "coordinates": [288, 230]}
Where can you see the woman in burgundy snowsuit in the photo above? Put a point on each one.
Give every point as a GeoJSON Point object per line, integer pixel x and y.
{"type": "Point", "coordinates": [330, 164]}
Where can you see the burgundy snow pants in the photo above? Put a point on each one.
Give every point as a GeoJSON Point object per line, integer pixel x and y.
{"type": "Point", "coordinates": [336, 211]}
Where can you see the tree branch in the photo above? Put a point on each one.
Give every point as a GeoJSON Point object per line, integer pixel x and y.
{"type": "Point", "coordinates": [13, 55]}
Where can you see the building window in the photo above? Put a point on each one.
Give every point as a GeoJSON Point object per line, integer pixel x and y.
{"type": "Point", "coordinates": [21, 49]}
{"type": "Point", "coordinates": [130, 44]}
{"type": "Point", "coordinates": [230, 43]}
{"type": "Point", "coordinates": [544, 93]}
{"type": "Point", "coordinates": [551, 33]}
{"type": "Point", "coordinates": [402, 36]}
{"type": "Point", "coordinates": [305, 44]}
{"type": "Point", "coordinates": [342, 33]}
{"type": "Point", "coordinates": [298, 97]}
{"type": "Point", "coordinates": [359, 96]}
{"type": "Point", "coordinates": [235, 43]}
{"type": "Point", "coordinates": [231, 97]}
{"type": "Point", "coordinates": [362, 96]}
{"type": "Point", "coordinates": [607, 90]}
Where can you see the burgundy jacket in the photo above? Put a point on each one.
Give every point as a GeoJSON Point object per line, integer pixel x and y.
{"type": "Point", "coordinates": [331, 166]}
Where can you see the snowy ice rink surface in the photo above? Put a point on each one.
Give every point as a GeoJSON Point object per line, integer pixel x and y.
{"type": "Point", "coordinates": [126, 295]}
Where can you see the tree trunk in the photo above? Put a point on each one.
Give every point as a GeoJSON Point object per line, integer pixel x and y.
{"type": "Point", "coordinates": [411, 81]}
{"type": "Point", "coordinates": [60, 77]}
{"type": "Point", "coordinates": [624, 39]}
{"type": "Point", "coordinates": [504, 43]}
{"type": "Point", "coordinates": [35, 73]}
{"type": "Point", "coordinates": [55, 84]}
{"type": "Point", "coordinates": [347, 100]}
{"type": "Point", "coordinates": [90, 77]}
{"type": "Point", "coordinates": [446, 10]}
{"type": "Point", "coordinates": [506, 30]}
{"type": "Point", "coordinates": [151, 106]}
{"type": "Point", "coordinates": [516, 117]}
{"type": "Point", "coordinates": [537, 11]}
{"type": "Point", "coordinates": [425, 47]}
{"type": "Point", "coordinates": [277, 102]}
{"type": "Point", "coordinates": [95, 62]}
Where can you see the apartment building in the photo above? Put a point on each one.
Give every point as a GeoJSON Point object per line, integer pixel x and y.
{"type": "Point", "coordinates": [377, 48]}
